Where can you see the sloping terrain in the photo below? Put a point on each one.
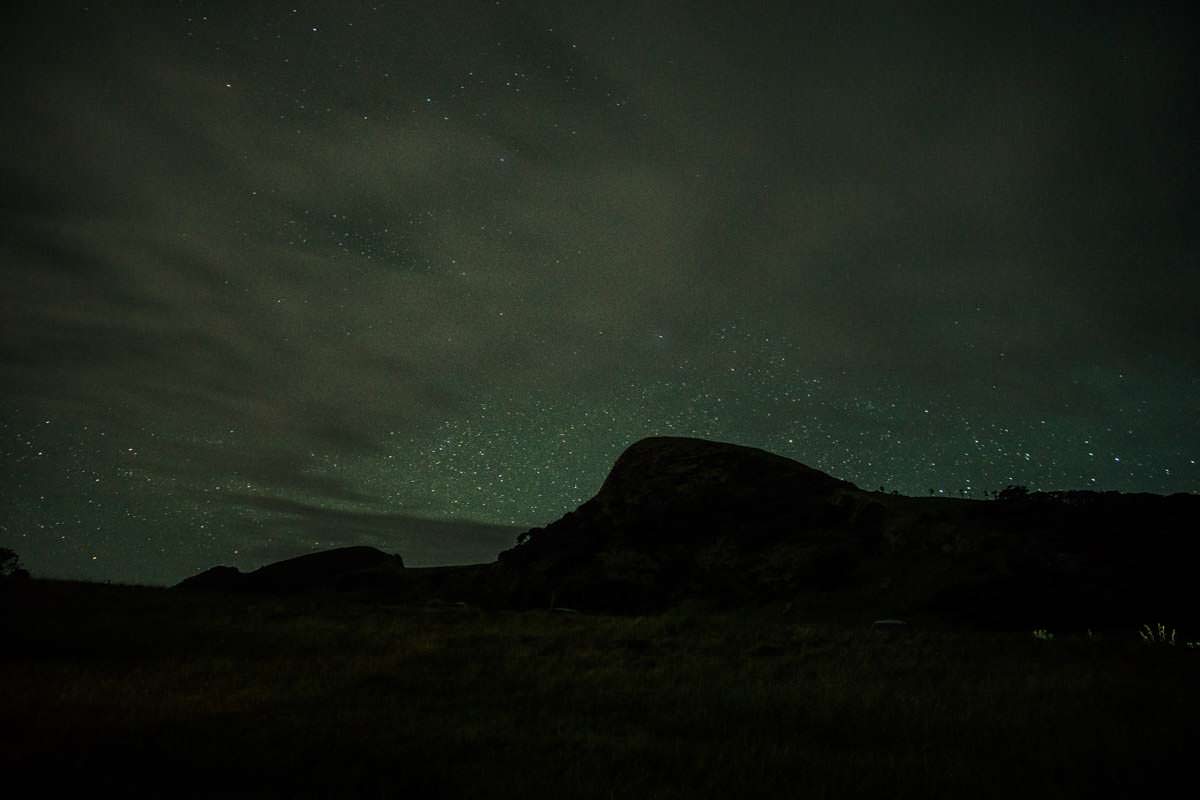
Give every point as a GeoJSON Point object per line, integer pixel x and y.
{"type": "Point", "coordinates": [715, 525]}
{"type": "Point", "coordinates": [342, 568]}
{"type": "Point", "coordinates": [687, 520]}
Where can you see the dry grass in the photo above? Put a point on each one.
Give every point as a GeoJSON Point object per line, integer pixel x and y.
{"type": "Point", "coordinates": [156, 693]}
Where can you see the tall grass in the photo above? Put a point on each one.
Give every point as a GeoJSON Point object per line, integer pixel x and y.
{"type": "Point", "coordinates": [152, 692]}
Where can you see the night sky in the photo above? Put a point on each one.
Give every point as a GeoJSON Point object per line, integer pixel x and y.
{"type": "Point", "coordinates": [283, 277]}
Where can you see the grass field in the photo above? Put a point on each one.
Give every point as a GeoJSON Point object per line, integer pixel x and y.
{"type": "Point", "coordinates": [152, 692]}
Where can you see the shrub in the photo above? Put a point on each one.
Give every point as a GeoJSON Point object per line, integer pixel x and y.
{"type": "Point", "coordinates": [10, 566]}
{"type": "Point", "coordinates": [1013, 492]}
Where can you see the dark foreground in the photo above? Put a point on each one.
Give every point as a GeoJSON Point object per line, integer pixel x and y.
{"type": "Point", "coordinates": [151, 692]}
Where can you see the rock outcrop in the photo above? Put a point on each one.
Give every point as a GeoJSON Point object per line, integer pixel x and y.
{"type": "Point", "coordinates": [344, 568]}
{"type": "Point", "coordinates": [689, 521]}
{"type": "Point", "coordinates": [680, 518]}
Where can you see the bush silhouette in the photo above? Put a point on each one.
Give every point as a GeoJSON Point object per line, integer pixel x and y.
{"type": "Point", "coordinates": [10, 566]}
{"type": "Point", "coordinates": [1011, 492]}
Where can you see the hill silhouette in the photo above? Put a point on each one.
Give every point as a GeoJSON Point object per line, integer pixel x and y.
{"type": "Point", "coordinates": [342, 568]}
{"type": "Point", "coordinates": [682, 520]}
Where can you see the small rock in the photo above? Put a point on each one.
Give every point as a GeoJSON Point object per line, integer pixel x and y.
{"type": "Point", "coordinates": [889, 625]}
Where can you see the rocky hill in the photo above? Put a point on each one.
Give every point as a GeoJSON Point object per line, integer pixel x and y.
{"type": "Point", "coordinates": [689, 521]}
{"type": "Point", "coordinates": [343, 568]}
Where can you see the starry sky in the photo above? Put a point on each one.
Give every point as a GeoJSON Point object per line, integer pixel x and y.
{"type": "Point", "coordinates": [287, 276]}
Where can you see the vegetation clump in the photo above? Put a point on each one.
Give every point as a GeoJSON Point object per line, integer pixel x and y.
{"type": "Point", "coordinates": [10, 566]}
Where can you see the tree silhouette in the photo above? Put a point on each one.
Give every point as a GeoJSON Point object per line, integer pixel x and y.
{"type": "Point", "coordinates": [10, 566]}
{"type": "Point", "coordinates": [1013, 492]}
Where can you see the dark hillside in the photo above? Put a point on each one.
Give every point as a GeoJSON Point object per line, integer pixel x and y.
{"type": "Point", "coordinates": [720, 526]}
{"type": "Point", "coordinates": [686, 519]}
{"type": "Point", "coordinates": [343, 568]}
